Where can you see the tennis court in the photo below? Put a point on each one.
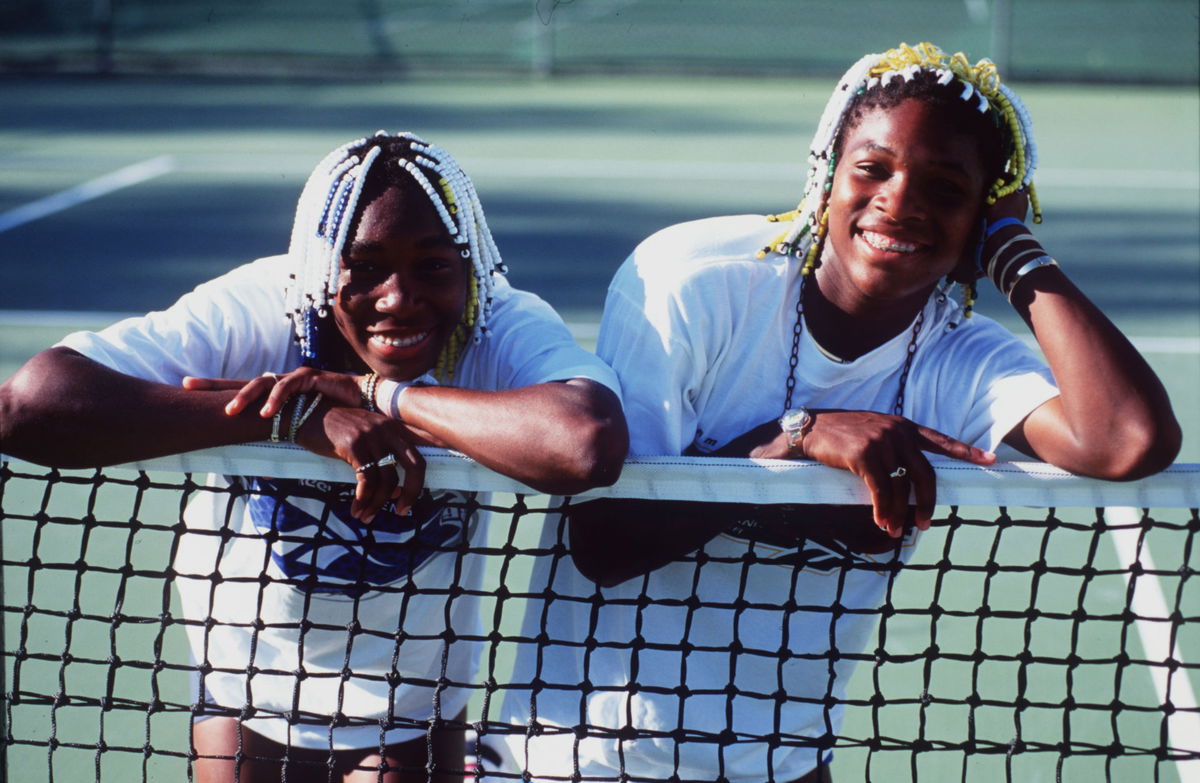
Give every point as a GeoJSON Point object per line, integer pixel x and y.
{"type": "Point", "coordinates": [154, 186]}
{"type": "Point", "coordinates": [118, 194]}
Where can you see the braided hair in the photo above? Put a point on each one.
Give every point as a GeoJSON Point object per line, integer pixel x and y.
{"type": "Point", "coordinates": [325, 216]}
{"type": "Point", "coordinates": [989, 110]}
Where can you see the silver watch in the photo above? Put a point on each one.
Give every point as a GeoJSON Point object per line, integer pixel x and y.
{"type": "Point", "coordinates": [795, 423]}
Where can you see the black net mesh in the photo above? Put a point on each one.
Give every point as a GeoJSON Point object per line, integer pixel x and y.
{"type": "Point", "coordinates": [1013, 643]}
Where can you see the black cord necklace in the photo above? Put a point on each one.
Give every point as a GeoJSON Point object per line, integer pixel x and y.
{"type": "Point", "coordinates": [794, 359]}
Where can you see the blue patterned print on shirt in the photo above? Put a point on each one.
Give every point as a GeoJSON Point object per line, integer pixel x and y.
{"type": "Point", "coordinates": [316, 542]}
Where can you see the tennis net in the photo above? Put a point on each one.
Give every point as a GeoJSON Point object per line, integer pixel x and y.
{"type": "Point", "coordinates": [1046, 625]}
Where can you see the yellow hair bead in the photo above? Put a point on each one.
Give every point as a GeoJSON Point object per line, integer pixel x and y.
{"type": "Point", "coordinates": [984, 77]}
{"type": "Point", "coordinates": [453, 349]}
{"type": "Point", "coordinates": [978, 85]}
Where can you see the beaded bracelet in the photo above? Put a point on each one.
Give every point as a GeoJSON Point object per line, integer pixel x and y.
{"type": "Point", "coordinates": [367, 390]}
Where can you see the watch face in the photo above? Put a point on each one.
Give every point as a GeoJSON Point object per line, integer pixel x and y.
{"type": "Point", "coordinates": [795, 419]}
{"type": "Point", "coordinates": [793, 423]}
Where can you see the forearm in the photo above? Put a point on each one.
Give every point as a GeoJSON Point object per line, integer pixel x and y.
{"type": "Point", "coordinates": [559, 438]}
{"type": "Point", "coordinates": [65, 410]}
{"type": "Point", "coordinates": [1113, 418]}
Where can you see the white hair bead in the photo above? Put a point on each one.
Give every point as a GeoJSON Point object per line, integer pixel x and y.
{"type": "Point", "coordinates": [325, 213]}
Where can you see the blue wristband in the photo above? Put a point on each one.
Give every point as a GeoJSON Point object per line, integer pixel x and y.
{"type": "Point", "coordinates": [1001, 223]}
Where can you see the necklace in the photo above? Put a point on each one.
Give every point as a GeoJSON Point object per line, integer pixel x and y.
{"type": "Point", "coordinates": [794, 359]}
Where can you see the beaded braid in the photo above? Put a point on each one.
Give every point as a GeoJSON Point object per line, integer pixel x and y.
{"type": "Point", "coordinates": [808, 222]}
{"type": "Point", "coordinates": [325, 214]}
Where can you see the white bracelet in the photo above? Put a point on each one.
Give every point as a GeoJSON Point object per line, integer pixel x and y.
{"type": "Point", "coordinates": [390, 391]}
{"type": "Point", "coordinates": [1025, 269]}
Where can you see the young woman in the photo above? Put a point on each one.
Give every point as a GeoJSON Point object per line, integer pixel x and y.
{"type": "Point", "coordinates": [387, 325]}
{"type": "Point", "coordinates": [838, 340]}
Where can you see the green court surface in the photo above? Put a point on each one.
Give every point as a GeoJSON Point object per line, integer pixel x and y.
{"type": "Point", "coordinates": [572, 173]}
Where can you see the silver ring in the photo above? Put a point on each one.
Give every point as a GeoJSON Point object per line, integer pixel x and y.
{"type": "Point", "coordinates": [899, 472]}
{"type": "Point", "coordinates": [390, 459]}
{"type": "Point", "coordinates": [272, 375]}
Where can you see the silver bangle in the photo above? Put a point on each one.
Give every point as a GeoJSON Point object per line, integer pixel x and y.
{"type": "Point", "coordinates": [991, 267]}
{"type": "Point", "coordinates": [1026, 268]}
{"type": "Point", "coordinates": [1016, 259]}
{"type": "Point", "coordinates": [301, 401]}
{"type": "Point", "coordinates": [298, 423]}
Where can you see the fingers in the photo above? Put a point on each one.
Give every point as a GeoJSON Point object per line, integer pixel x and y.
{"type": "Point", "coordinates": [892, 482]}
{"type": "Point", "coordinates": [939, 443]}
{"type": "Point", "coordinates": [338, 389]}
{"type": "Point", "coordinates": [887, 453]}
{"type": "Point", "coordinates": [375, 484]}
{"type": "Point", "coordinates": [888, 506]}
{"type": "Point", "coordinates": [413, 479]}
{"type": "Point", "coordinates": [248, 393]}
{"type": "Point", "coordinates": [397, 476]}
{"type": "Point", "coordinates": [924, 494]}
{"type": "Point", "coordinates": [275, 389]}
{"type": "Point", "coordinates": [192, 383]}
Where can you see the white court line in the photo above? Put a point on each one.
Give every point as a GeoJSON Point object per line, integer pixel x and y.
{"type": "Point", "coordinates": [1179, 345]}
{"type": "Point", "coordinates": [567, 168]}
{"type": "Point", "coordinates": [100, 186]}
{"type": "Point", "coordinates": [515, 168]}
{"type": "Point", "coordinates": [1150, 606]}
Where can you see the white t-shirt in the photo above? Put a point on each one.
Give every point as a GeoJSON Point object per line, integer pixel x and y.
{"type": "Point", "coordinates": [700, 333]}
{"type": "Point", "coordinates": [280, 644]}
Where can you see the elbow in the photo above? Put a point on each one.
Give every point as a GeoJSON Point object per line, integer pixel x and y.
{"type": "Point", "coordinates": [591, 452]}
{"type": "Point", "coordinates": [22, 430]}
{"type": "Point", "coordinates": [595, 459]}
{"type": "Point", "coordinates": [8, 418]}
{"type": "Point", "coordinates": [603, 455]}
{"type": "Point", "coordinates": [1141, 449]}
{"type": "Point", "coordinates": [37, 407]}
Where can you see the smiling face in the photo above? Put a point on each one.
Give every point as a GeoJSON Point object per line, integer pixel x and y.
{"type": "Point", "coordinates": [403, 284]}
{"type": "Point", "coordinates": [904, 208]}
